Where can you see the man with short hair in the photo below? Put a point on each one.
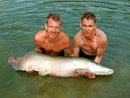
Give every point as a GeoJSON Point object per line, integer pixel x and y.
{"type": "Point", "coordinates": [90, 41]}
{"type": "Point", "coordinates": [52, 40]}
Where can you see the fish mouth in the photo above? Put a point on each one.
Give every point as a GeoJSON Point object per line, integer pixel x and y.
{"type": "Point", "coordinates": [105, 73]}
{"type": "Point", "coordinates": [111, 71]}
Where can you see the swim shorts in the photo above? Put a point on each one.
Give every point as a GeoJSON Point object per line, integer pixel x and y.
{"type": "Point", "coordinates": [82, 54]}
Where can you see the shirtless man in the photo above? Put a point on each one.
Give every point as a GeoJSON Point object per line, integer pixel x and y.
{"type": "Point", "coordinates": [90, 42]}
{"type": "Point", "coordinates": [52, 41]}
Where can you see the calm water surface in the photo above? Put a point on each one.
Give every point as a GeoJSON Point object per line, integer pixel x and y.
{"type": "Point", "coordinates": [21, 19]}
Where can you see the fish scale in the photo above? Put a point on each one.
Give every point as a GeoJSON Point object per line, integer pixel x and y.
{"type": "Point", "coordinates": [60, 65]}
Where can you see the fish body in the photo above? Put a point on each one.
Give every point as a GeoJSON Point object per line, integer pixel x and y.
{"type": "Point", "coordinates": [59, 65]}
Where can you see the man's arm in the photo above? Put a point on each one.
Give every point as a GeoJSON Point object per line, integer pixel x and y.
{"type": "Point", "coordinates": [100, 51]}
{"type": "Point", "coordinates": [37, 40]}
{"type": "Point", "coordinates": [76, 47]}
{"type": "Point", "coordinates": [38, 48]}
{"type": "Point", "coordinates": [68, 48]}
{"type": "Point", "coordinates": [98, 58]}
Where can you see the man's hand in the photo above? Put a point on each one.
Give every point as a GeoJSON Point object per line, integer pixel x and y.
{"type": "Point", "coordinates": [39, 50]}
{"type": "Point", "coordinates": [89, 75]}
{"type": "Point", "coordinates": [29, 70]}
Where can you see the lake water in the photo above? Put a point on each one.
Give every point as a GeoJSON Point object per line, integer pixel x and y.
{"type": "Point", "coordinates": [20, 20]}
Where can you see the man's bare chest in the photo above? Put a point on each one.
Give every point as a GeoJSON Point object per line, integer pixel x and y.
{"type": "Point", "coordinates": [89, 46]}
{"type": "Point", "coordinates": [52, 47]}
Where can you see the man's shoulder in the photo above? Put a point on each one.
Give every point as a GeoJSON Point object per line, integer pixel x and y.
{"type": "Point", "coordinates": [77, 39]}
{"type": "Point", "coordinates": [42, 32]}
{"type": "Point", "coordinates": [64, 38]}
{"type": "Point", "coordinates": [101, 34]}
{"type": "Point", "coordinates": [64, 35]}
{"type": "Point", "coordinates": [78, 36]}
{"type": "Point", "coordinates": [39, 35]}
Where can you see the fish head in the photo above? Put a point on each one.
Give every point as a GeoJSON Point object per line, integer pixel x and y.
{"type": "Point", "coordinates": [106, 71]}
{"type": "Point", "coordinates": [110, 71]}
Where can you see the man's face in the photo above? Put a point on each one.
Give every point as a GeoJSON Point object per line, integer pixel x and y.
{"type": "Point", "coordinates": [88, 26]}
{"type": "Point", "coordinates": [53, 28]}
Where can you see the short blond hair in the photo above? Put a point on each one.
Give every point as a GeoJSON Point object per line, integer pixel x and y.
{"type": "Point", "coordinates": [54, 16]}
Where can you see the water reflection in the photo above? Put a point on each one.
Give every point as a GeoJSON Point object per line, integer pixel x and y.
{"type": "Point", "coordinates": [58, 87]}
{"type": "Point", "coordinates": [21, 19]}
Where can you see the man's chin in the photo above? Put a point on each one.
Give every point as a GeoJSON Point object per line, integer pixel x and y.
{"type": "Point", "coordinates": [52, 37]}
{"type": "Point", "coordinates": [86, 34]}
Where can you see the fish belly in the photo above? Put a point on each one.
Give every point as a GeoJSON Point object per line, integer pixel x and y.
{"type": "Point", "coordinates": [61, 66]}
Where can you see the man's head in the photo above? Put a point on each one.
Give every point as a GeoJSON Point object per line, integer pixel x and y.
{"type": "Point", "coordinates": [88, 24]}
{"type": "Point", "coordinates": [53, 25]}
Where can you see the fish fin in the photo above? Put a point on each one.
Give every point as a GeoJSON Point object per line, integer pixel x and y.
{"type": "Point", "coordinates": [82, 71]}
{"type": "Point", "coordinates": [42, 73]}
{"type": "Point", "coordinates": [86, 72]}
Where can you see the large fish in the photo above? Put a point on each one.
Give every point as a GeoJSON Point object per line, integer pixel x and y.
{"type": "Point", "coordinates": [58, 65]}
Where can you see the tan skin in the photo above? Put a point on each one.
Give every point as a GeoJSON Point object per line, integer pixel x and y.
{"type": "Point", "coordinates": [52, 40]}
{"type": "Point", "coordinates": [91, 40]}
